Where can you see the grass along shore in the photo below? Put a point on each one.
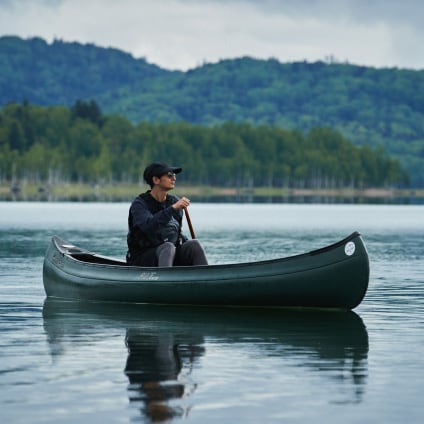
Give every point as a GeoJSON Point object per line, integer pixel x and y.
{"type": "Point", "coordinates": [126, 192]}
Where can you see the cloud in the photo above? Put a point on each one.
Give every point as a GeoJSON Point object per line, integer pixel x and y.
{"type": "Point", "coordinates": [181, 34]}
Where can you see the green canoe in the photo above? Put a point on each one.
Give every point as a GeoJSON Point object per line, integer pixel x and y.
{"type": "Point", "coordinates": [335, 276]}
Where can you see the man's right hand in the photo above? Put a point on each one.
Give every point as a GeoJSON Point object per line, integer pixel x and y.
{"type": "Point", "coordinates": [181, 203]}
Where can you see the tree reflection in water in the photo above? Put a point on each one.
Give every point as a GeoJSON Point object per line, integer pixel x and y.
{"type": "Point", "coordinates": [158, 368]}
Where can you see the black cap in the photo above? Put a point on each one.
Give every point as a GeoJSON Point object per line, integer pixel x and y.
{"type": "Point", "coordinates": [157, 169]}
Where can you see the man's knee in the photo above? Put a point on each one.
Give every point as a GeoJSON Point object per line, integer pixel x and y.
{"type": "Point", "coordinates": [165, 254]}
{"type": "Point", "coordinates": [192, 244]}
{"type": "Point", "coordinates": [193, 253]}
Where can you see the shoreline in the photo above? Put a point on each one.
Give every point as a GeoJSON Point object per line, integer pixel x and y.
{"type": "Point", "coordinates": [76, 192]}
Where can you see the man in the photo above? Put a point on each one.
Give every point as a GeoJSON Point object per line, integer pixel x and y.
{"type": "Point", "coordinates": [154, 223]}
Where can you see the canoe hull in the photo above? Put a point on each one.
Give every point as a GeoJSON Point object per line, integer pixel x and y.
{"type": "Point", "coordinates": [325, 278]}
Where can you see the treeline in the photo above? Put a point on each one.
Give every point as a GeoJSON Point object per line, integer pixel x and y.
{"type": "Point", "coordinates": [79, 144]}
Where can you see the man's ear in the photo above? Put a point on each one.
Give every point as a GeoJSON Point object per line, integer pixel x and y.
{"type": "Point", "coordinates": [155, 180]}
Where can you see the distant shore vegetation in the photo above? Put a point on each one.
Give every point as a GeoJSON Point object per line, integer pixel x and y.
{"type": "Point", "coordinates": [58, 146]}
{"type": "Point", "coordinates": [122, 192]}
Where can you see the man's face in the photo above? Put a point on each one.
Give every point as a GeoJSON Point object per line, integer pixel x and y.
{"type": "Point", "coordinates": [166, 181]}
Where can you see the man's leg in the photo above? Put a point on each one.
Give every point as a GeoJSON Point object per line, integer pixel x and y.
{"type": "Point", "coordinates": [166, 254]}
{"type": "Point", "coordinates": [191, 253]}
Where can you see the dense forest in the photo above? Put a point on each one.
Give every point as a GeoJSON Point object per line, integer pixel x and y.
{"type": "Point", "coordinates": [368, 106]}
{"type": "Point", "coordinates": [53, 144]}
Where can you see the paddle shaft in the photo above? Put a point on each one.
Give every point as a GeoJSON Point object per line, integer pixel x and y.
{"type": "Point", "coordinates": [193, 236]}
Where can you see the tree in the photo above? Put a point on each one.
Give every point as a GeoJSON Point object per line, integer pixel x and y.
{"type": "Point", "coordinates": [89, 111]}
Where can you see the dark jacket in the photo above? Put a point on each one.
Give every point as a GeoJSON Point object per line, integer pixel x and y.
{"type": "Point", "coordinates": [151, 223]}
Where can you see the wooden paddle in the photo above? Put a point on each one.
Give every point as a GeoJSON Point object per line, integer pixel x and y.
{"type": "Point", "coordinates": [193, 236]}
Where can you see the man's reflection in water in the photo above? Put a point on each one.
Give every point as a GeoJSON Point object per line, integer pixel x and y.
{"type": "Point", "coordinates": [158, 368]}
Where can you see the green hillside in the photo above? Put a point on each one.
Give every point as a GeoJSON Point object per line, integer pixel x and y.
{"type": "Point", "coordinates": [59, 73]}
{"type": "Point", "coordinates": [372, 107]}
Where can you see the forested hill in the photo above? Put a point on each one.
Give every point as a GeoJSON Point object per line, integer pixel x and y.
{"type": "Point", "coordinates": [369, 106]}
{"type": "Point", "coordinates": [59, 73]}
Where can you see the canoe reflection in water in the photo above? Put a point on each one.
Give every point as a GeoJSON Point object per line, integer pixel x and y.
{"type": "Point", "coordinates": [168, 345]}
{"type": "Point", "coordinates": [159, 370]}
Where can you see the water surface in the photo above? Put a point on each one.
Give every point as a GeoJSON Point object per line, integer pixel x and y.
{"type": "Point", "coordinates": [86, 362]}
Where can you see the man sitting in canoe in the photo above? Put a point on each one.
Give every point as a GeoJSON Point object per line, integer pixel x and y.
{"type": "Point", "coordinates": [154, 224]}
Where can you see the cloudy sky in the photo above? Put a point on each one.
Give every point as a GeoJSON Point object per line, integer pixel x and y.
{"type": "Point", "coordinates": [183, 34]}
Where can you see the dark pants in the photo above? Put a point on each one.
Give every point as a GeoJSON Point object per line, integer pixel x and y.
{"type": "Point", "coordinates": [189, 253]}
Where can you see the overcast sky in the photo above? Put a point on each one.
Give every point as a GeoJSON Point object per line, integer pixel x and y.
{"type": "Point", "coordinates": [183, 34]}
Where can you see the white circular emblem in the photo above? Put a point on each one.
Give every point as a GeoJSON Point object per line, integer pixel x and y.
{"type": "Point", "coordinates": [350, 248]}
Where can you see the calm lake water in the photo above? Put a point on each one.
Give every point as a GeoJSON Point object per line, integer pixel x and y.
{"type": "Point", "coordinates": [69, 362]}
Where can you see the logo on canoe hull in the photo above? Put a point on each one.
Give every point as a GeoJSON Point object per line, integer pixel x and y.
{"type": "Point", "coordinates": [149, 276]}
{"type": "Point", "coordinates": [350, 248]}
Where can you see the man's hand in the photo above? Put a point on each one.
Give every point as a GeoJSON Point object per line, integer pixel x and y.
{"type": "Point", "coordinates": [181, 203]}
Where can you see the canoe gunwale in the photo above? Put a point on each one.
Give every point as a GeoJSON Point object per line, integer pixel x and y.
{"type": "Point", "coordinates": [87, 257]}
